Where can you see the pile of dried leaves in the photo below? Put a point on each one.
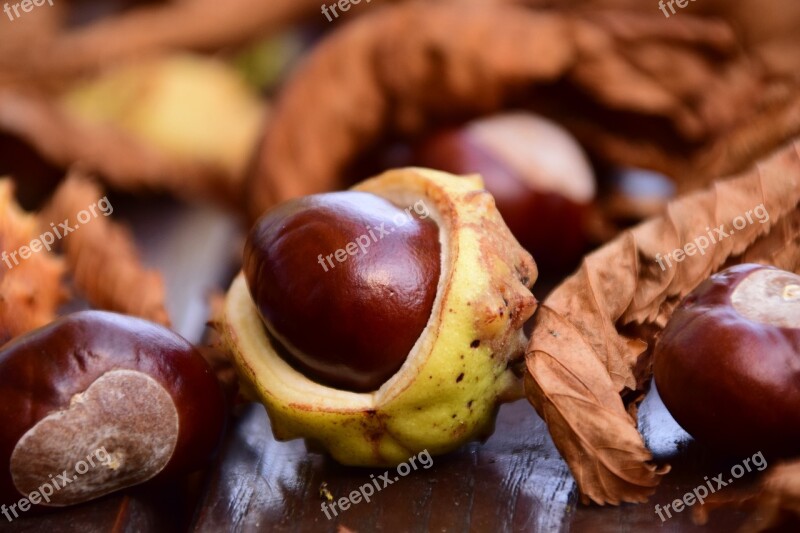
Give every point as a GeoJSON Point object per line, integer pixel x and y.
{"type": "Point", "coordinates": [677, 95]}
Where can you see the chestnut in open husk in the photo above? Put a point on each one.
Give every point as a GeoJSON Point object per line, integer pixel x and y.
{"type": "Point", "coordinates": [95, 382]}
{"type": "Point", "coordinates": [460, 347]}
{"type": "Point", "coordinates": [727, 365]}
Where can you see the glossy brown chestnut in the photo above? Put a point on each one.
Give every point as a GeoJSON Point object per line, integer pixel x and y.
{"type": "Point", "coordinates": [96, 381]}
{"type": "Point", "coordinates": [345, 282]}
{"type": "Point", "coordinates": [728, 363]}
{"type": "Point", "coordinates": [539, 176]}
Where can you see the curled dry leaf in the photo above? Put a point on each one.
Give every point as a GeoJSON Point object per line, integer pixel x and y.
{"type": "Point", "coordinates": [123, 161]}
{"type": "Point", "coordinates": [60, 52]}
{"type": "Point", "coordinates": [579, 360]}
{"type": "Point", "coordinates": [30, 289]}
{"type": "Point", "coordinates": [676, 95]}
{"type": "Point", "coordinates": [400, 68]}
{"type": "Point", "coordinates": [38, 27]}
{"type": "Point", "coordinates": [752, 104]}
{"type": "Point", "coordinates": [102, 256]}
{"type": "Point", "coordinates": [768, 30]}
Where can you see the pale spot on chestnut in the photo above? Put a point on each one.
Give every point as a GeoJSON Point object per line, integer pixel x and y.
{"type": "Point", "coordinates": [106, 400]}
{"type": "Point", "coordinates": [769, 297]}
{"type": "Point", "coordinates": [114, 413]}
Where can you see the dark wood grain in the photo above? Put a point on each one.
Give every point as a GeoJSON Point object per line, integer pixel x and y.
{"type": "Point", "coordinates": [513, 481]}
{"type": "Point", "coordinates": [134, 511]}
{"type": "Point", "coordinates": [516, 481]}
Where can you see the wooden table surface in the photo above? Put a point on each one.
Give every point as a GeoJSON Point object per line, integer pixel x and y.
{"type": "Point", "coordinates": [516, 481]}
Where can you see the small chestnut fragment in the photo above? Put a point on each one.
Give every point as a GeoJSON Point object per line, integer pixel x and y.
{"type": "Point", "coordinates": [96, 381]}
{"type": "Point", "coordinates": [727, 365]}
{"type": "Point", "coordinates": [345, 282]}
{"type": "Point", "coordinates": [539, 176]}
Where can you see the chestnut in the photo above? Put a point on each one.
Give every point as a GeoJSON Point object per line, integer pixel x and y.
{"type": "Point", "coordinates": [727, 365]}
{"type": "Point", "coordinates": [460, 367]}
{"type": "Point", "coordinates": [538, 174]}
{"type": "Point", "coordinates": [95, 381]}
{"type": "Point", "coordinates": [345, 283]}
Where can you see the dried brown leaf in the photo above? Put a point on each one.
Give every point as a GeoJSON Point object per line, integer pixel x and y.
{"type": "Point", "coordinates": [62, 52]}
{"type": "Point", "coordinates": [102, 256]}
{"type": "Point", "coordinates": [17, 38]}
{"type": "Point", "coordinates": [677, 95]}
{"type": "Point", "coordinates": [578, 360]}
{"type": "Point", "coordinates": [604, 450]}
{"type": "Point", "coordinates": [401, 69]}
{"type": "Point", "coordinates": [768, 30]}
{"type": "Point", "coordinates": [124, 162]}
{"type": "Point", "coordinates": [30, 289]}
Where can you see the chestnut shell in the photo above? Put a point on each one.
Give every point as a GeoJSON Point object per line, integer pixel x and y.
{"type": "Point", "coordinates": [41, 372]}
{"type": "Point", "coordinates": [349, 324]}
{"type": "Point", "coordinates": [729, 381]}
